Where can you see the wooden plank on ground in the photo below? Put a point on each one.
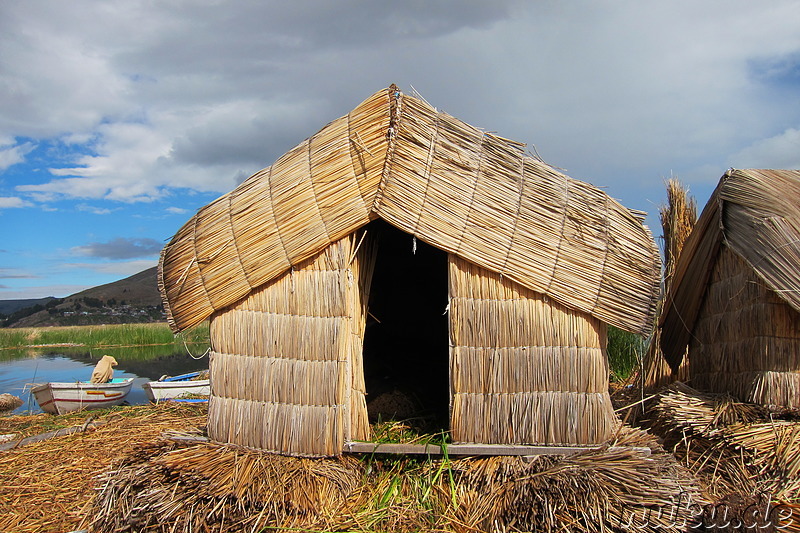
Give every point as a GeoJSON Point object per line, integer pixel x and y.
{"type": "Point", "coordinates": [469, 449]}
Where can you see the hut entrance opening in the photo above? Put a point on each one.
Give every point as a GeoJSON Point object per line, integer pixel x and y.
{"type": "Point", "coordinates": [406, 339]}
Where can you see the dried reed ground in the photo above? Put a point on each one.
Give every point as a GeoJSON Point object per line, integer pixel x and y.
{"type": "Point", "coordinates": [48, 486]}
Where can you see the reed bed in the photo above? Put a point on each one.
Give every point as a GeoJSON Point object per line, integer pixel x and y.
{"type": "Point", "coordinates": [468, 192]}
{"type": "Point", "coordinates": [112, 335]}
{"type": "Point", "coordinates": [734, 448]}
{"type": "Point", "coordinates": [175, 485]}
{"type": "Point", "coordinates": [49, 485]}
{"type": "Point", "coordinates": [524, 370]}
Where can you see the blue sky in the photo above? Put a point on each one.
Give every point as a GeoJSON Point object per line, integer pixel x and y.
{"type": "Point", "coordinates": [118, 120]}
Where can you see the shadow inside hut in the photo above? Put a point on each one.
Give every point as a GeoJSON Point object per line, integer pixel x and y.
{"type": "Point", "coordinates": [406, 340]}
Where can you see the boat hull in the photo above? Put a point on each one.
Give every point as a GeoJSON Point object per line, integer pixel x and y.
{"type": "Point", "coordinates": [60, 398]}
{"type": "Point", "coordinates": [171, 388]}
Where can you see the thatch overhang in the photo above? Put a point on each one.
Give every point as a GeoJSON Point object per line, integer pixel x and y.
{"type": "Point", "coordinates": [456, 187]}
{"type": "Point", "coordinates": [756, 214]}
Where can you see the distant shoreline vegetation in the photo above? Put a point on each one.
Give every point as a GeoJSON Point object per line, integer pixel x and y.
{"type": "Point", "coordinates": [625, 350]}
{"type": "Point", "coordinates": [103, 336]}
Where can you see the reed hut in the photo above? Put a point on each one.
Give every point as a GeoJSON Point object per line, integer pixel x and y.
{"type": "Point", "coordinates": [734, 302]}
{"type": "Point", "coordinates": [402, 238]}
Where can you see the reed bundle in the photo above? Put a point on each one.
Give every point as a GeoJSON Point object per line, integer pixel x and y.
{"type": "Point", "coordinates": [733, 447]}
{"type": "Point", "coordinates": [465, 191]}
{"type": "Point", "coordinates": [678, 217]}
{"type": "Point", "coordinates": [48, 485]}
{"type": "Point", "coordinates": [524, 370]}
{"type": "Point", "coordinates": [178, 486]}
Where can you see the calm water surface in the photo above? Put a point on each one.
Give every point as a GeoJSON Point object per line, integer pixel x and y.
{"type": "Point", "coordinates": [19, 372]}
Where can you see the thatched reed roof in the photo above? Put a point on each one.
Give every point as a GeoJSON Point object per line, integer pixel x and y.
{"type": "Point", "coordinates": [756, 214]}
{"type": "Point", "coordinates": [463, 190]}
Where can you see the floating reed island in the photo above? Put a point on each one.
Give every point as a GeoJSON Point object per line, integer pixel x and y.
{"type": "Point", "coordinates": [400, 248]}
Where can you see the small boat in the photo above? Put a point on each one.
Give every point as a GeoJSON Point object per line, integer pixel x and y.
{"type": "Point", "coordinates": [60, 398]}
{"type": "Point", "coordinates": [169, 388]}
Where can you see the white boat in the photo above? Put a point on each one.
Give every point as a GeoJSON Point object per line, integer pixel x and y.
{"type": "Point", "coordinates": [169, 388]}
{"type": "Point", "coordinates": [60, 398]}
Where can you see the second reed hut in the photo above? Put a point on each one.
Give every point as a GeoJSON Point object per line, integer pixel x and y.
{"type": "Point", "coordinates": [401, 239]}
{"type": "Point", "coordinates": [734, 304]}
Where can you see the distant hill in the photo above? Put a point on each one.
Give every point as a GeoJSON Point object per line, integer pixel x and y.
{"type": "Point", "coordinates": [10, 306]}
{"type": "Point", "coordinates": [130, 300]}
{"type": "Point", "coordinates": [139, 289]}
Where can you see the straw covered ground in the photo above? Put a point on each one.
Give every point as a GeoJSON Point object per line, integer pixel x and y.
{"type": "Point", "coordinates": [746, 456]}
{"type": "Point", "coordinates": [150, 469]}
{"type": "Point", "coordinates": [175, 484]}
{"type": "Point", "coordinates": [49, 485]}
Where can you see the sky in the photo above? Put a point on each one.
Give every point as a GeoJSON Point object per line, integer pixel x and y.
{"type": "Point", "coordinates": [119, 119]}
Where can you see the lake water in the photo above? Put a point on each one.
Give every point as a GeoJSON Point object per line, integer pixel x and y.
{"type": "Point", "coordinates": [18, 372]}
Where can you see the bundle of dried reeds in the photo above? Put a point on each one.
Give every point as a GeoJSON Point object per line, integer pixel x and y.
{"type": "Point", "coordinates": [733, 447]}
{"type": "Point", "coordinates": [610, 490]}
{"type": "Point", "coordinates": [524, 370]}
{"type": "Point", "coordinates": [678, 216]}
{"type": "Point", "coordinates": [179, 487]}
{"type": "Point", "coordinates": [465, 191]}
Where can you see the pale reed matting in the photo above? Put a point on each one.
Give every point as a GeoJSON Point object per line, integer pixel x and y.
{"type": "Point", "coordinates": [524, 369]}
{"type": "Point", "coordinates": [734, 300]}
{"type": "Point", "coordinates": [746, 340]}
{"type": "Point", "coordinates": [286, 366]}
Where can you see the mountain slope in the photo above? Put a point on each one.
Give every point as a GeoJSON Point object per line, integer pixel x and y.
{"type": "Point", "coordinates": [130, 300]}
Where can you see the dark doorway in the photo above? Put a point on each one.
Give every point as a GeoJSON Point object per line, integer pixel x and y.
{"type": "Point", "coordinates": [406, 358]}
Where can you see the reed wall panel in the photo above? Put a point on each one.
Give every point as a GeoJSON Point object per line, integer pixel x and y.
{"type": "Point", "coordinates": [300, 430]}
{"type": "Point", "coordinates": [746, 340]}
{"type": "Point", "coordinates": [523, 369]}
{"type": "Point", "coordinates": [286, 367]}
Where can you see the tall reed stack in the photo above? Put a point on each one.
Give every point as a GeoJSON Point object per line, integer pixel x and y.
{"type": "Point", "coordinates": [678, 217]}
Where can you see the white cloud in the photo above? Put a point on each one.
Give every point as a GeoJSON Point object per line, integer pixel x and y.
{"type": "Point", "coordinates": [11, 155]}
{"type": "Point", "coordinates": [93, 209]}
{"type": "Point", "coordinates": [9, 202]}
{"type": "Point", "coordinates": [615, 92]}
{"type": "Point", "coordinates": [779, 151]}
